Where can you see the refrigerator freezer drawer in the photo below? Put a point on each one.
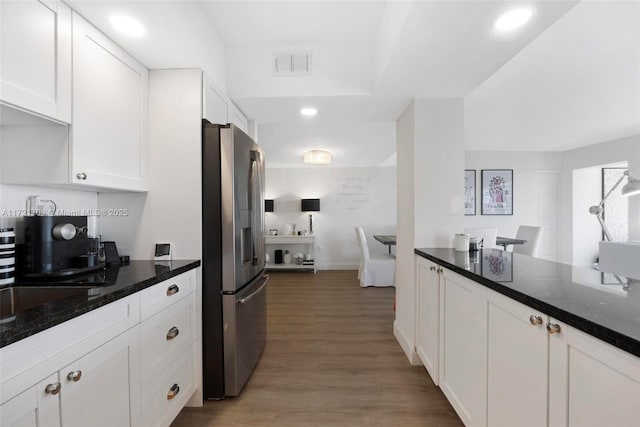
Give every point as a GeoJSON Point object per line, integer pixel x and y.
{"type": "Point", "coordinates": [245, 333]}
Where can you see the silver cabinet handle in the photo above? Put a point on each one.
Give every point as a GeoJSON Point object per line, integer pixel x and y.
{"type": "Point", "coordinates": [172, 290]}
{"type": "Point", "coordinates": [535, 320]}
{"type": "Point", "coordinates": [81, 176]}
{"type": "Point", "coordinates": [440, 270]}
{"type": "Point", "coordinates": [173, 391]}
{"type": "Point", "coordinates": [432, 268]}
{"type": "Point", "coordinates": [172, 333]}
{"type": "Point", "coordinates": [74, 376]}
{"type": "Point", "coordinates": [53, 388]}
{"type": "Point", "coordinates": [553, 328]}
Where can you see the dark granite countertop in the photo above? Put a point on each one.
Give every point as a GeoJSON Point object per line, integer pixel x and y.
{"type": "Point", "coordinates": [600, 304]}
{"type": "Point", "coordinates": [29, 308]}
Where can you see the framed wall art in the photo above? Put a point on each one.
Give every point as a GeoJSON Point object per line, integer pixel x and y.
{"type": "Point", "coordinates": [469, 191]}
{"type": "Point", "coordinates": [497, 191]}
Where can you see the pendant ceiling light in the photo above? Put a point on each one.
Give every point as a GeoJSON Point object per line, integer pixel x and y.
{"type": "Point", "coordinates": [317, 157]}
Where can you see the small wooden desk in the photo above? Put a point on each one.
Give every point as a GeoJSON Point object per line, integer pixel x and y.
{"type": "Point", "coordinates": [389, 240]}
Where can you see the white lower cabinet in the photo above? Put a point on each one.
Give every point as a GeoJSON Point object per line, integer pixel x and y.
{"type": "Point", "coordinates": [592, 383]}
{"type": "Point", "coordinates": [105, 368]}
{"type": "Point", "coordinates": [517, 364]}
{"type": "Point", "coordinates": [37, 406]}
{"type": "Point", "coordinates": [463, 347]}
{"type": "Point", "coordinates": [95, 388]}
{"type": "Point", "coordinates": [428, 315]}
{"type": "Point", "coordinates": [502, 363]}
{"type": "Point", "coordinates": [164, 398]}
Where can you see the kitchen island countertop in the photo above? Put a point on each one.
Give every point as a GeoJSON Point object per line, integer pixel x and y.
{"type": "Point", "coordinates": [601, 304]}
{"type": "Point", "coordinates": [26, 309]}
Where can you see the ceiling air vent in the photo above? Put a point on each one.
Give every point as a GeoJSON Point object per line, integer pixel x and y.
{"type": "Point", "coordinates": [290, 64]}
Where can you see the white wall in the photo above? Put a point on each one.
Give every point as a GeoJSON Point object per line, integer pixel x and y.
{"type": "Point", "coordinates": [535, 195]}
{"type": "Point", "coordinates": [587, 191]}
{"type": "Point", "coordinates": [430, 135]}
{"type": "Point", "coordinates": [616, 151]}
{"type": "Point", "coordinates": [13, 197]}
{"type": "Point", "coordinates": [171, 210]}
{"type": "Point", "coordinates": [349, 197]}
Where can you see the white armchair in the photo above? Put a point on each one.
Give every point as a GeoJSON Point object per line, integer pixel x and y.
{"type": "Point", "coordinates": [375, 269]}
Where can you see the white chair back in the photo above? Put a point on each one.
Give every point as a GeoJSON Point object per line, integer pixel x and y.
{"type": "Point", "coordinates": [362, 242]}
{"type": "Point", "coordinates": [533, 236]}
{"type": "Point", "coordinates": [487, 235]}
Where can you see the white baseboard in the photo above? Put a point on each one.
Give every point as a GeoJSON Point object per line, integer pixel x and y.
{"type": "Point", "coordinates": [406, 345]}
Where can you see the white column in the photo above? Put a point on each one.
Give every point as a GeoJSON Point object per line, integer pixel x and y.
{"type": "Point", "coordinates": [430, 146]}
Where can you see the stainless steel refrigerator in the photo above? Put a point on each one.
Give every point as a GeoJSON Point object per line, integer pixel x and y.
{"type": "Point", "coordinates": [234, 298]}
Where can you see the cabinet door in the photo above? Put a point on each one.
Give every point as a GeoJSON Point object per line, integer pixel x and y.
{"type": "Point", "coordinates": [602, 383]}
{"type": "Point", "coordinates": [110, 102]}
{"type": "Point", "coordinates": [95, 388]}
{"type": "Point", "coordinates": [237, 118]}
{"type": "Point", "coordinates": [463, 347]}
{"type": "Point", "coordinates": [517, 345]}
{"type": "Point", "coordinates": [37, 406]}
{"type": "Point", "coordinates": [428, 315]}
{"type": "Point", "coordinates": [35, 57]}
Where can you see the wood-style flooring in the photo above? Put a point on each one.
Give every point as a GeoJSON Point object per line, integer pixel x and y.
{"type": "Point", "coordinates": [330, 360]}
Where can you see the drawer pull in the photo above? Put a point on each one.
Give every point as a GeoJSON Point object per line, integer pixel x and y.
{"type": "Point", "coordinates": [53, 388]}
{"type": "Point", "coordinates": [74, 376]}
{"type": "Point", "coordinates": [172, 290]}
{"type": "Point", "coordinates": [173, 391]}
{"type": "Point", "coordinates": [432, 268]}
{"type": "Point", "coordinates": [173, 332]}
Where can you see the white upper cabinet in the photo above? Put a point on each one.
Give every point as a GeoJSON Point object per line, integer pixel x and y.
{"type": "Point", "coordinates": [237, 118]}
{"type": "Point", "coordinates": [214, 107]}
{"type": "Point", "coordinates": [110, 113]}
{"type": "Point", "coordinates": [35, 57]}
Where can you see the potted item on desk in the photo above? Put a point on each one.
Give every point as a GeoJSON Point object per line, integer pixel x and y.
{"type": "Point", "coordinates": [299, 257]}
{"type": "Point", "coordinates": [287, 257]}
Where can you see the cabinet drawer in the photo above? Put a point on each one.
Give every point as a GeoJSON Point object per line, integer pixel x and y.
{"type": "Point", "coordinates": [167, 395]}
{"type": "Point", "coordinates": [162, 295]}
{"type": "Point", "coordinates": [166, 335]}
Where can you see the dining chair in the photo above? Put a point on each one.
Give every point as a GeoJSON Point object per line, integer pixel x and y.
{"type": "Point", "coordinates": [375, 269]}
{"type": "Point", "coordinates": [487, 235]}
{"type": "Point", "coordinates": [533, 236]}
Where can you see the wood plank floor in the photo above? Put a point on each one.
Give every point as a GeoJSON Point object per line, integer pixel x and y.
{"type": "Point", "coordinates": [330, 360]}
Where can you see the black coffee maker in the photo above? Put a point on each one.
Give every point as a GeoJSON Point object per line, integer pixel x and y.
{"type": "Point", "coordinates": [57, 246]}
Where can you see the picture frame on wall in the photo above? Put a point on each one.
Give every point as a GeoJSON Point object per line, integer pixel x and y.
{"type": "Point", "coordinates": [497, 192]}
{"type": "Point", "coordinates": [469, 192]}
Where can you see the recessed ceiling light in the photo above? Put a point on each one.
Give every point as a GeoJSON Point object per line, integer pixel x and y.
{"type": "Point", "coordinates": [309, 111]}
{"type": "Point", "coordinates": [317, 157]}
{"type": "Point", "coordinates": [513, 19]}
{"type": "Point", "coordinates": [128, 25]}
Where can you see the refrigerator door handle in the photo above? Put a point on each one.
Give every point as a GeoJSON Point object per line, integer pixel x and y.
{"type": "Point", "coordinates": [246, 299]}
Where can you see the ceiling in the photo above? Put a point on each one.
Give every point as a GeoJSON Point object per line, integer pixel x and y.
{"type": "Point", "coordinates": [568, 78]}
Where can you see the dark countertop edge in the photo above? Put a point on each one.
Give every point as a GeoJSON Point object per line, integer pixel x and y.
{"type": "Point", "coordinates": [83, 308]}
{"type": "Point", "coordinates": [616, 339]}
